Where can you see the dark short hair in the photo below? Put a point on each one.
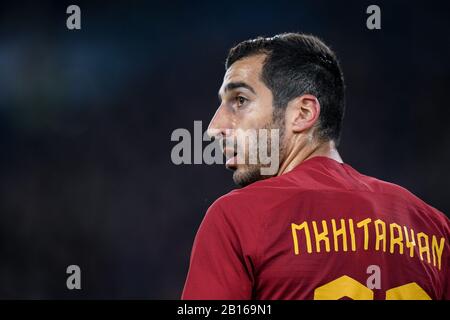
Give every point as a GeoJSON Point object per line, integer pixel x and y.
{"type": "Point", "coordinates": [297, 64]}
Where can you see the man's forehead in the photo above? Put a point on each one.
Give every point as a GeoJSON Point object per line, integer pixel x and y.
{"type": "Point", "coordinates": [247, 70]}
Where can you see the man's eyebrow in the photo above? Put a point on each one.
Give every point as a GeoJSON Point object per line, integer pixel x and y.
{"type": "Point", "coordinates": [239, 84]}
{"type": "Point", "coordinates": [236, 85]}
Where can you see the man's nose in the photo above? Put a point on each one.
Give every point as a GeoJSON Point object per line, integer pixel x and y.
{"type": "Point", "coordinates": [220, 125]}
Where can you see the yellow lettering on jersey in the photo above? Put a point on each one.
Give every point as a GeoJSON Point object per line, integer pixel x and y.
{"type": "Point", "coordinates": [437, 250]}
{"type": "Point", "coordinates": [424, 246]}
{"type": "Point", "coordinates": [341, 232]}
{"type": "Point", "coordinates": [364, 223]}
{"type": "Point", "coordinates": [409, 244]}
{"type": "Point", "coordinates": [323, 236]}
{"type": "Point", "coordinates": [380, 235]}
{"type": "Point", "coordinates": [299, 227]}
{"type": "Point", "coordinates": [352, 234]}
{"type": "Point", "coordinates": [396, 240]}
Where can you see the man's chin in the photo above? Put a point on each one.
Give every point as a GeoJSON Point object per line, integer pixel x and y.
{"type": "Point", "coordinates": [243, 176]}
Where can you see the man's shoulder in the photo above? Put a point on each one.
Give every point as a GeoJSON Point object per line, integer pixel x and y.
{"type": "Point", "coordinates": [259, 191]}
{"type": "Point", "coordinates": [399, 194]}
{"type": "Point", "coordinates": [260, 196]}
{"type": "Point", "coordinates": [240, 211]}
{"type": "Point", "coordinates": [255, 200]}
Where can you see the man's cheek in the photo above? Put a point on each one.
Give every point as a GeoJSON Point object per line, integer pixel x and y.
{"type": "Point", "coordinates": [269, 153]}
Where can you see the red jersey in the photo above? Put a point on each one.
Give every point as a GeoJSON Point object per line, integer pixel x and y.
{"type": "Point", "coordinates": [321, 231]}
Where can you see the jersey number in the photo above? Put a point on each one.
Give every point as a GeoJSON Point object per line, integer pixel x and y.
{"type": "Point", "coordinates": [349, 287]}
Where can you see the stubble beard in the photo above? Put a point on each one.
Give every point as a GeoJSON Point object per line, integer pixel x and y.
{"type": "Point", "coordinates": [246, 174]}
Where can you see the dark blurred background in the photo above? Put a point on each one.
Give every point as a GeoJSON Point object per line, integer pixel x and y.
{"type": "Point", "coordinates": [86, 118]}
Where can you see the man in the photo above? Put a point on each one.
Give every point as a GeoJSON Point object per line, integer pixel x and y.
{"type": "Point", "coordinates": [317, 229]}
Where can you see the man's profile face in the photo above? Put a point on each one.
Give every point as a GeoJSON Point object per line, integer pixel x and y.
{"type": "Point", "coordinates": [246, 103]}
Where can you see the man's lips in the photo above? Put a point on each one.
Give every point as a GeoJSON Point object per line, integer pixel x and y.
{"type": "Point", "coordinates": [231, 162]}
{"type": "Point", "coordinates": [231, 157]}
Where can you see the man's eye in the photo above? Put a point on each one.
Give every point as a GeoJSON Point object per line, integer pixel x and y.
{"type": "Point", "coordinates": [240, 101]}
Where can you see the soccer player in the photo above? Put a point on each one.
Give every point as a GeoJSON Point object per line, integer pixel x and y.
{"type": "Point", "coordinates": [317, 228]}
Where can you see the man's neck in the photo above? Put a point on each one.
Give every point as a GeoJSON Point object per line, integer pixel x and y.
{"type": "Point", "coordinates": [300, 153]}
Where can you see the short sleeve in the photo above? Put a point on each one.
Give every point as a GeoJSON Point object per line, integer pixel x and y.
{"type": "Point", "coordinates": [218, 269]}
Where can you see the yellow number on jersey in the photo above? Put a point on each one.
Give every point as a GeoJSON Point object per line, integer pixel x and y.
{"type": "Point", "coordinates": [343, 287]}
{"type": "Point", "coordinates": [410, 291]}
{"type": "Point", "coordinates": [348, 287]}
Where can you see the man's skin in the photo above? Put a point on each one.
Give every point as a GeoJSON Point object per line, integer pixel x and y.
{"type": "Point", "coordinates": [252, 108]}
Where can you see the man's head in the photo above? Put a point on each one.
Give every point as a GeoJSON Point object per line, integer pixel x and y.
{"type": "Point", "coordinates": [291, 82]}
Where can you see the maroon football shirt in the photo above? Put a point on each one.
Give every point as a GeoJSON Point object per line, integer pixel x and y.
{"type": "Point", "coordinates": [321, 231]}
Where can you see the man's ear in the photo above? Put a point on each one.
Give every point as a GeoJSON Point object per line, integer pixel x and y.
{"type": "Point", "coordinates": [305, 111]}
